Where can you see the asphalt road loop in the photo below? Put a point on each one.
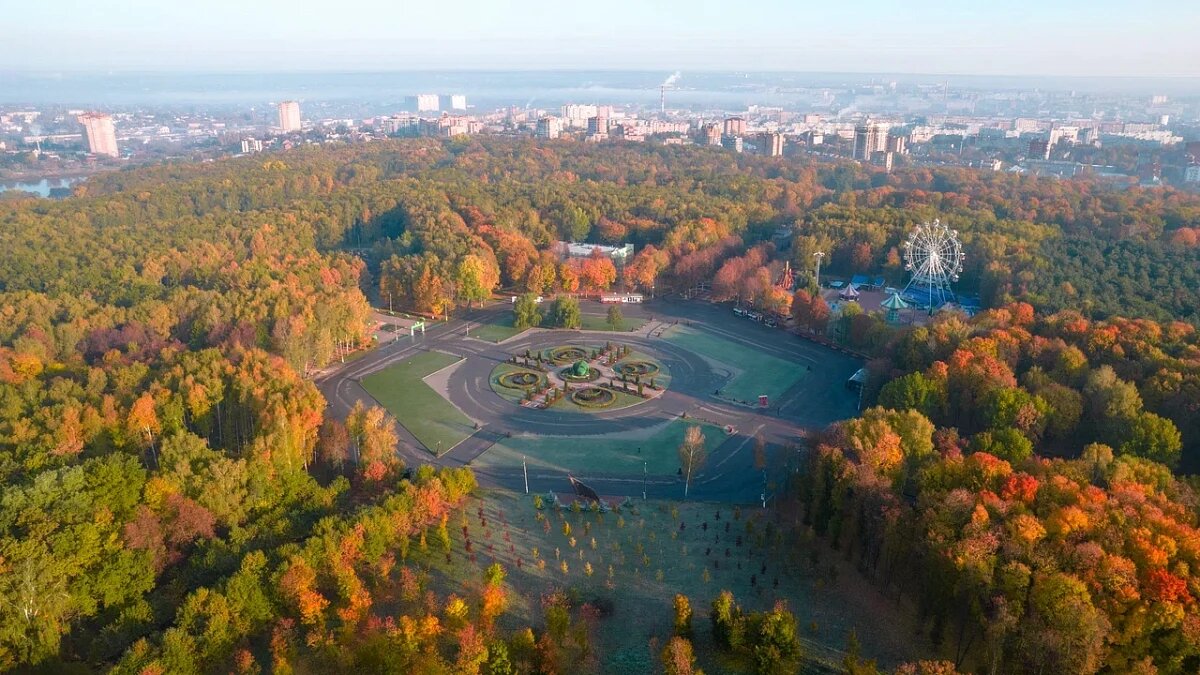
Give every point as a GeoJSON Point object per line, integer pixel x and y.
{"type": "Point", "coordinates": [470, 388]}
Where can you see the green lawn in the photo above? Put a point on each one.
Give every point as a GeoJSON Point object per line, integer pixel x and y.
{"type": "Point", "coordinates": [760, 373]}
{"type": "Point", "coordinates": [432, 419]}
{"type": "Point", "coordinates": [628, 324]}
{"type": "Point", "coordinates": [498, 329]}
{"type": "Point", "coordinates": [610, 453]}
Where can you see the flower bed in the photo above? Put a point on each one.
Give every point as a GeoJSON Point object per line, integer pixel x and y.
{"type": "Point", "coordinates": [593, 397]}
{"type": "Point", "coordinates": [632, 369]}
{"type": "Point", "coordinates": [521, 379]}
{"type": "Point", "coordinates": [561, 356]}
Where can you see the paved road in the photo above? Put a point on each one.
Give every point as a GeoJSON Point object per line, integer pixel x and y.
{"type": "Point", "coordinates": [817, 400]}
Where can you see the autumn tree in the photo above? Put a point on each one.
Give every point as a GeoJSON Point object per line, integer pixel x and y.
{"type": "Point", "coordinates": [692, 455]}
{"type": "Point", "coordinates": [476, 277]}
{"type": "Point", "coordinates": [614, 318]}
{"type": "Point", "coordinates": [373, 432]}
{"type": "Point", "coordinates": [678, 658]}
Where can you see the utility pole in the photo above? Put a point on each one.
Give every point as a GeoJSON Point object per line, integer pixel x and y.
{"type": "Point", "coordinates": [525, 470]}
{"type": "Point", "coordinates": [644, 480]}
{"type": "Point", "coordinates": [819, 255]}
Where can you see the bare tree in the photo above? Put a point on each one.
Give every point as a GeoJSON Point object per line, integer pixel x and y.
{"type": "Point", "coordinates": [692, 455]}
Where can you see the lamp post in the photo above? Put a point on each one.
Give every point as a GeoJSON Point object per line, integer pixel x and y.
{"type": "Point", "coordinates": [525, 470]}
{"type": "Point", "coordinates": [643, 479]}
{"type": "Point", "coordinates": [819, 255]}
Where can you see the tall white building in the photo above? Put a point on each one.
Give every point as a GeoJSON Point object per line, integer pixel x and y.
{"type": "Point", "coordinates": [869, 138]}
{"type": "Point", "coordinates": [428, 103]}
{"type": "Point", "coordinates": [577, 115]}
{"type": "Point", "coordinates": [101, 135]}
{"type": "Point", "coordinates": [548, 127]}
{"type": "Point", "coordinates": [458, 102]}
{"type": "Point", "coordinates": [250, 145]}
{"type": "Point", "coordinates": [289, 116]}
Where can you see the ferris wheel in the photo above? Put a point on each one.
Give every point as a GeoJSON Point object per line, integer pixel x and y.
{"type": "Point", "coordinates": [934, 256]}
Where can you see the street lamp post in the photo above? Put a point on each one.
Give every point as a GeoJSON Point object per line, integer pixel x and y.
{"type": "Point", "coordinates": [525, 470]}
{"type": "Point", "coordinates": [643, 479]}
{"type": "Point", "coordinates": [819, 255]}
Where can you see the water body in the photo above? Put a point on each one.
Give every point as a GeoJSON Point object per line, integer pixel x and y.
{"type": "Point", "coordinates": [41, 187]}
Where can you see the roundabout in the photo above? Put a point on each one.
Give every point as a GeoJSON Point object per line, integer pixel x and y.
{"type": "Point", "coordinates": [693, 371]}
{"type": "Point", "coordinates": [579, 378]}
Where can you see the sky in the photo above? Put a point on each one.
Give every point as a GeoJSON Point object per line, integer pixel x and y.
{"type": "Point", "coordinates": [974, 37]}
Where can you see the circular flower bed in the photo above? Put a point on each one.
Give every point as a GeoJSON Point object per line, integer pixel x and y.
{"type": "Point", "coordinates": [580, 372]}
{"type": "Point", "coordinates": [593, 397]}
{"type": "Point", "coordinates": [636, 368]}
{"type": "Point", "coordinates": [564, 355]}
{"type": "Point", "coordinates": [521, 379]}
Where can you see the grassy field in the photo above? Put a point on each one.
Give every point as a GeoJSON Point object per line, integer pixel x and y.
{"type": "Point", "coordinates": [499, 329]}
{"type": "Point", "coordinates": [759, 373]}
{"type": "Point", "coordinates": [610, 453]}
{"type": "Point", "coordinates": [636, 560]}
{"type": "Point", "coordinates": [594, 322]}
{"type": "Point", "coordinates": [432, 419]}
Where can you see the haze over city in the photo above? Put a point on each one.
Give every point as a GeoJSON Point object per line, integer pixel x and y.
{"type": "Point", "coordinates": [1023, 37]}
{"type": "Point", "coordinates": [648, 338]}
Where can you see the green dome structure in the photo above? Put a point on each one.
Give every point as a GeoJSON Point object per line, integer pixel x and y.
{"type": "Point", "coordinates": [580, 369]}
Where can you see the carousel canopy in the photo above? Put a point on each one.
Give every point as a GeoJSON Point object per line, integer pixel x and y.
{"type": "Point", "coordinates": [894, 301]}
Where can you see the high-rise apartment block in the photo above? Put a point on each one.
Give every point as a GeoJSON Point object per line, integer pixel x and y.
{"type": "Point", "coordinates": [289, 116]}
{"type": "Point", "coordinates": [869, 139]}
{"type": "Point", "coordinates": [458, 102]}
{"type": "Point", "coordinates": [427, 103]}
{"type": "Point", "coordinates": [101, 135]}
{"type": "Point", "coordinates": [250, 145]}
{"type": "Point", "coordinates": [547, 127]}
{"type": "Point", "coordinates": [772, 144]}
{"type": "Point", "coordinates": [896, 144]}
{"type": "Point", "coordinates": [597, 126]}
{"type": "Point", "coordinates": [735, 126]}
{"type": "Point", "coordinates": [712, 134]}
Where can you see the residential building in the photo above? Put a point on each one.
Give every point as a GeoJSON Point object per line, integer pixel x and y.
{"type": "Point", "coordinates": [869, 139]}
{"type": "Point", "coordinates": [101, 135]}
{"type": "Point", "coordinates": [772, 144]}
{"type": "Point", "coordinates": [548, 127]}
{"type": "Point", "coordinates": [733, 143]}
{"type": "Point", "coordinates": [712, 134]}
{"type": "Point", "coordinates": [458, 102]}
{"type": "Point", "coordinates": [577, 115]}
{"type": "Point", "coordinates": [735, 126]}
{"type": "Point", "coordinates": [629, 132]}
{"type": "Point", "coordinates": [897, 144]}
{"type": "Point", "coordinates": [250, 145]}
{"type": "Point", "coordinates": [1192, 174]}
{"type": "Point", "coordinates": [597, 126]}
{"type": "Point", "coordinates": [427, 103]}
{"type": "Point", "coordinates": [289, 117]}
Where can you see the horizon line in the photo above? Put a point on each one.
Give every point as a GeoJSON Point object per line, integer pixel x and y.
{"type": "Point", "coordinates": [520, 69]}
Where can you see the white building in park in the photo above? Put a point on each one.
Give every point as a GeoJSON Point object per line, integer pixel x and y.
{"type": "Point", "coordinates": [573, 249]}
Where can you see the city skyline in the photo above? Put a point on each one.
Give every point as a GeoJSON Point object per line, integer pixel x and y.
{"type": "Point", "coordinates": [1072, 38]}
